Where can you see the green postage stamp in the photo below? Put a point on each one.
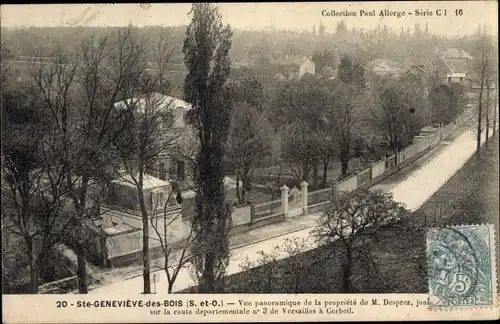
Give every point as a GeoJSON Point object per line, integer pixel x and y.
{"type": "Point", "coordinates": [461, 266]}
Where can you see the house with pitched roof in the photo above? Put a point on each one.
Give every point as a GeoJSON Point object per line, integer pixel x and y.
{"type": "Point", "coordinates": [296, 66]}
{"type": "Point", "coordinates": [173, 166]}
{"type": "Point", "coordinates": [454, 66]}
{"type": "Point", "coordinates": [384, 67]}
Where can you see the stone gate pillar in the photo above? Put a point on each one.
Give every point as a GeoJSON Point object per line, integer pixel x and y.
{"type": "Point", "coordinates": [304, 186]}
{"type": "Point", "coordinates": [284, 199]}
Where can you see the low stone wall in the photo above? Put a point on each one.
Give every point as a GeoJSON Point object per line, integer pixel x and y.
{"type": "Point", "coordinates": [349, 184]}
{"type": "Point", "coordinates": [267, 206]}
{"type": "Point", "coordinates": [296, 212]}
{"type": "Point", "coordinates": [241, 215]}
{"type": "Point", "coordinates": [317, 207]}
{"type": "Point", "coordinates": [271, 219]}
{"type": "Point", "coordinates": [121, 244]}
{"type": "Point", "coordinates": [378, 168]}
{"type": "Point", "coordinates": [241, 228]}
{"type": "Point", "coordinates": [135, 257]}
{"type": "Point", "coordinates": [62, 286]}
{"type": "Point", "coordinates": [448, 129]}
{"type": "Point", "coordinates": [410, 151]}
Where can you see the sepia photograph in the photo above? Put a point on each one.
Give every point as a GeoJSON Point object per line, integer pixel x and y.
{"type": "Point", "coordinates": [335, 149]}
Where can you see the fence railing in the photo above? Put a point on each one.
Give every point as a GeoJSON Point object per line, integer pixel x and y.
{"type": "Point", "coordinates": [390, 161]}
{"type": "Point", "coordinates": [295, 200]}
{"type": "Point", "coordinates": [364, 177]}
{"type": "Point", "coordinates": [319, 196]}
{"type": "Point", "coordinates": [271, 205]}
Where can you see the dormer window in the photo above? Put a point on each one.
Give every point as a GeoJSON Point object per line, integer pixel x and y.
{"type": "Point", "coordinates": [179, 117]}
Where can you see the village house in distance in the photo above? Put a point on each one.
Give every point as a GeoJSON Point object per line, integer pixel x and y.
{"type": "Point", "coordinates": [454, 65]}
{"type": "Point", "coordinates": [296, 66]}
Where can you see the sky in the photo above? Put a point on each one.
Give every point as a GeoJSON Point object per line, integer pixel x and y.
{"type": "Point", "coordinates": [257, 16]}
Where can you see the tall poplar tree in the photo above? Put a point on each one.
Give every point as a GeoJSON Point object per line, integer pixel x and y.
{"type": "Point", "coordinates": [206, 48]}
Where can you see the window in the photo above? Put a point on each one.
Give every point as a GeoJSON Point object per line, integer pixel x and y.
{"type": "Point", "coordinates": [449, 79]}
{"type": "Point", "coordinates": [461, 79]}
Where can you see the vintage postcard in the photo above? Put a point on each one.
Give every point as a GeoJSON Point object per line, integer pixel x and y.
{"type": "Point", "coordinates": [247, 162]}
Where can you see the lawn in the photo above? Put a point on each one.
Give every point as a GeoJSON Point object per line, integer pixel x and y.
{"type": "Point", "coordinates": [394, 261]}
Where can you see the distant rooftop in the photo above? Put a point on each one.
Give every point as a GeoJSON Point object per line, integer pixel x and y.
{"type": "Point", "coordinates": [386, 66]}
{"type": "Point", "coordinates": [150, 182]}
{"type": "Point", "coordinates": [456, 53]}
{"type": "Point", "coordinates": [156, 98]}
{"type": "Point", "coordinates": [292, 59]}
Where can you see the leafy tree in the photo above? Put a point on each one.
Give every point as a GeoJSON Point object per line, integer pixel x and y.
{"type": "Point", "coordinates": [397, 113]}
{"type": "Point", "coordinates": [448, 101]}
{"type": "Point", "coordinates": [483, 66]}
{"type": "Point", "coordinates": [245, 87]}
{"type": "Point", "coordinates": [263, 273]}
{"type": "Point", "coordinates": [341, 27]}
{"type": "Point", "coordinates": [300, 113]}
{"type": "Point", "coordinates": [322, 29]}
{"type": "Point", "coordinates": [274, 170]}
{"type": "Point", "coordinates": [322, 59]}
{"type": "Point", "coordinates": [441, 98]}
{"type": "Point", "coordinates": [248, 144]}
{"type": "Point", "coordinates": [352, 217]}
{"type": "Point", "coordinates": [261, 53]}
{"type": "Point", "coordinates": [294, 249]}
{"type": "Point", "coordinates": [326, 71]}
{"type": "Point", "coordinates": [349, 105]}
{"type": "Point", "coordinates": [5, 54]}
{"type": "Point", "coordinates": [206, 49]}
{"type": "Point", "coordinates": [351, 72]}
{"type": "Point", "coordinates": [22, 168]}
